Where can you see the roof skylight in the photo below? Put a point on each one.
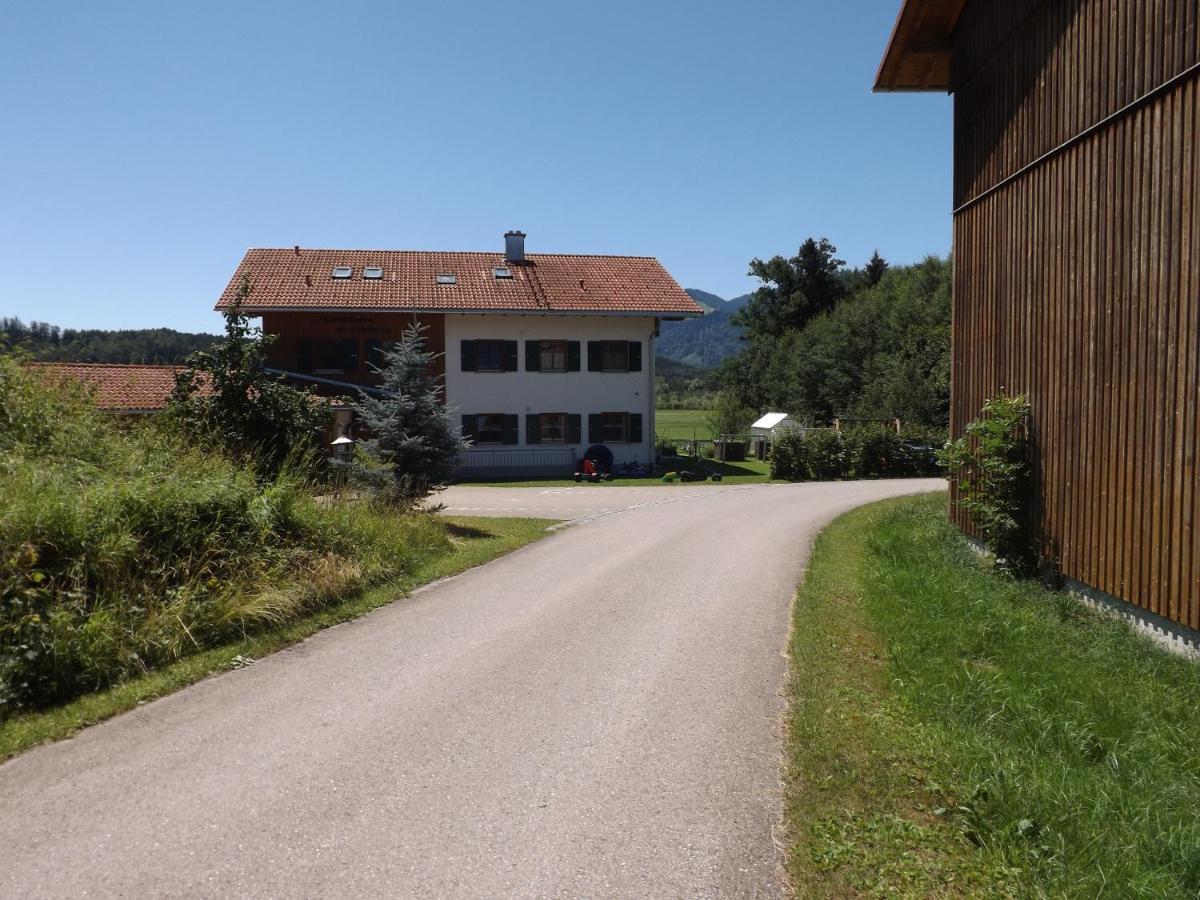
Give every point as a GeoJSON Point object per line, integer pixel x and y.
{"type": "Point", "coordinates": [444, 278]}
{"type": "Point", "coordinates": [373, 273]}
{"type": "Point", "coordinates": [343, 271]}
{"type": "Point", "coordinates": [502, 272]}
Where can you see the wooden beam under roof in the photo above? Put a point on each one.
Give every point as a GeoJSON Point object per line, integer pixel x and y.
{"type": "Point", "coordinates": [919, 52]}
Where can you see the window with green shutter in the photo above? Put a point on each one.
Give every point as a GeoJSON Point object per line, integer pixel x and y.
{"type": "Point", "coordinates": [489, 356]}
{"type": "Point", "coordinates": [491, 428]}
{"type": "Point", "coordinates": [614, 356]}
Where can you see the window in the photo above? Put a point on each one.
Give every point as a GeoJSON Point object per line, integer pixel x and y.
{"type": "Point", "coordinates": [489, 356]}
{"type": "Point", "coordinates": [489, 428]}
{"type": "Point", "coordinates": [553, 356]}
{"type": "Point", "coordinates": [329, 357]}
{"type": "Point", "coordinates": [614, 427]}
{"type": "Point", "coordinates": [502, 273]}
{"type": "Point", "coordinates": [342, 272]}
{"type": "Point", "coordinates": [372, 273]}
{"type": "Point", "coordinates": [614, 356]}
{"type": "Point", "coordinates": [553, 428]}
{"type": "Point", "coordinates": [443, 278]}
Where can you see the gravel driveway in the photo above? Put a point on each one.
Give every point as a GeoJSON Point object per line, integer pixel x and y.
{"type": "Point", "coordinates": [595, 715]}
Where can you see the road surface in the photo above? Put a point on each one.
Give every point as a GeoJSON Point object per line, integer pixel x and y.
{"type": "Point", "coordinates": [564, 502]}
{"type": "Point", "coordinates": [595, 715]}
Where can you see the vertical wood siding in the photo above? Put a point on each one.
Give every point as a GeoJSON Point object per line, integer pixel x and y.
{"type": "Point", "coordinates": [1076, 282]}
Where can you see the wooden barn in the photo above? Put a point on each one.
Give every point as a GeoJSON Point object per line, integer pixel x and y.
{"type": "Point", "coordinates": [1077, 264]}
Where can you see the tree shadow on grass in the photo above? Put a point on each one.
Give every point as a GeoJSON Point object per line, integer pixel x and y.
{"type": "Point", "coordinates": [466, 531]}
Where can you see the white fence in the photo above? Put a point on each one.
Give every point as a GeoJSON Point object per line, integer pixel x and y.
{"type": "Point", "coordinates": [482, 463]}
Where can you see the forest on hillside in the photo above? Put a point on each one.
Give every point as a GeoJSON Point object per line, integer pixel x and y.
{"type": "Point", "coordinates": [50, 343]}
{"type": "Point", "coordinates": [821, 339]}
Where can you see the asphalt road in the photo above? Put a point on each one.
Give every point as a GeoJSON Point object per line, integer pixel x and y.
{"type": "Point", "coordinates": [595, 715]}
{"type": "Point", "coordinates": [565, 502]}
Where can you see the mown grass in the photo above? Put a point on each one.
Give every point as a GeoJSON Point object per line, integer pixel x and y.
{"type": "Point", "coordinates": [956, 733]}
{"type": "Point", "coordinates": [472, 542]}
{"type": "Point", "coordinates": [683, 424]}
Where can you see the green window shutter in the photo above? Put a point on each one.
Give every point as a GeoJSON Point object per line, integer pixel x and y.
{"type": "Point", "coordinates": [574, 427]}
{"type": "Point", "coordinates": [508, 362]}
{"type": "Point", "coordinates": [533, 356]}
{"type": "Point", "coordinates": [635, 428]}
{"type": "Point", "coordinates": [468, 427]}
{"type": "Point", "coordinates": [572, 356]}
{"type": "Point", "coordinates": [510, 428]}
{"type": "Point", "coordinates": [595, 428]}
{"type": "Point", "coordinates": [595, 357]}
{"type": "Point", "coordinates": [635, 356]}
{"type": "Point", "coordinates": [468, 356]}
{"type": "Point", "coordinates": [533, 428]}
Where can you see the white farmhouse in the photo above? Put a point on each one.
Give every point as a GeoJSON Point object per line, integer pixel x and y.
{"type": "Point", "coordinates": [544, 355]}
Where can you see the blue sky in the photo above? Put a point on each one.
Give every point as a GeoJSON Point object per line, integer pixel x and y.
{"type": "Point", "coordinates": [148, 144]}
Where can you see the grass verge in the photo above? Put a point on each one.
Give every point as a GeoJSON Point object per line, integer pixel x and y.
{"type": "Point", "coordinates": [955, 733]}
{"type": "Point", "coordinates": [474, 541]}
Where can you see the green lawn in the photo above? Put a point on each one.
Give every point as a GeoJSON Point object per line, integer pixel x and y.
{"type": "Point", "coordinates": [751, 471]}
{"type": "Point", "coordinates": [474, 541]}
{"type": "Point", "coordinates": [955, 733]}
{"type": "Point", "coordinates": [683, 424]}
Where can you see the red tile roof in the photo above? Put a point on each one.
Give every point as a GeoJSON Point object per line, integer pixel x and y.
{"type": "Point", "coordinates": [546, 282]}
{"type": "Point", "coordinates": [120, 387]}
{"type": "Point", "coordinates": [117, 387]}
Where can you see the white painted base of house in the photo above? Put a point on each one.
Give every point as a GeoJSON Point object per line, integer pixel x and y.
{"type": "Point", "coordinates": [1169, 635]}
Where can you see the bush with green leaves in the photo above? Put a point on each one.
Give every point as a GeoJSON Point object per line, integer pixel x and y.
{"type": "Point", "coordinates": [813, 455]}
{"type": "Point", "coordinates": [123, 547]}
{"type": "Point", "coordinates": [225, 400]}
{"type": "Point", "coordinates": [872, 452]}
{"type": "Point", "coordinates": [993, 477]}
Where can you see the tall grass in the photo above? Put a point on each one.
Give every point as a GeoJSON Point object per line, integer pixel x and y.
{"type": "Point", "coordinates": [1075, 741]}
{"type": "Point", "coordinates": [122, 549]}
{"type": "Point", "coordinates": [958, 732]}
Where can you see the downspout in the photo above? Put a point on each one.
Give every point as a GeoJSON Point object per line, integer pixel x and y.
{"type": "Point", "coordinates": [652, 432]}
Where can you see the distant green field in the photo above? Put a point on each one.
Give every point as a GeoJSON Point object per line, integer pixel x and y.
{"type": "Point", "coordinates": [682, 424]}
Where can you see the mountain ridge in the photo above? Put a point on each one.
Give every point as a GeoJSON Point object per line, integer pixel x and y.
{"type": "Point", "coordinates": [707, 341]}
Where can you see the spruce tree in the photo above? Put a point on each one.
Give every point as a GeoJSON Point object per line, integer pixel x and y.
{"type": "Point", "coordinates": [412, 441]}
{"type": "Point", "coordinates": [875, 269]}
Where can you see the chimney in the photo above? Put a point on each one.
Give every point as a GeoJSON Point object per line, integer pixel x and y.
{"type": "Point", "coordinates": [514, 246]}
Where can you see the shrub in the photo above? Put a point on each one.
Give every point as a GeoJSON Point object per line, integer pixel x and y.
{"type": "Point", "coordinates": [826, 455]}
{"type": "Point", "coordinates": [728, 416]}
{"type": "Point", "coordinates": [129, 549]}
{"type": "Point", "coordinates": [992, 471]}
{"type": "Point", "coordinates": [225, 400]}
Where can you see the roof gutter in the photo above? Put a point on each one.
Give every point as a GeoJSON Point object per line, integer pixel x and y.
{"type": "Point", "coordinates": [638, 314]}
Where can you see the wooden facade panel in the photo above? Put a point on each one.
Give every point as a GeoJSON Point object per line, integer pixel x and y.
{"type": "Point", "coordinates": [1077, 284]}
{"type": "Point", "coordinates": [1033, 74]}
{"type": "Point", "coordinates": [299, 333]}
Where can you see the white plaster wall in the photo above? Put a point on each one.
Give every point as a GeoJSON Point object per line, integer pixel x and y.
{"type": "Point", "coordinates": [581, 392]}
